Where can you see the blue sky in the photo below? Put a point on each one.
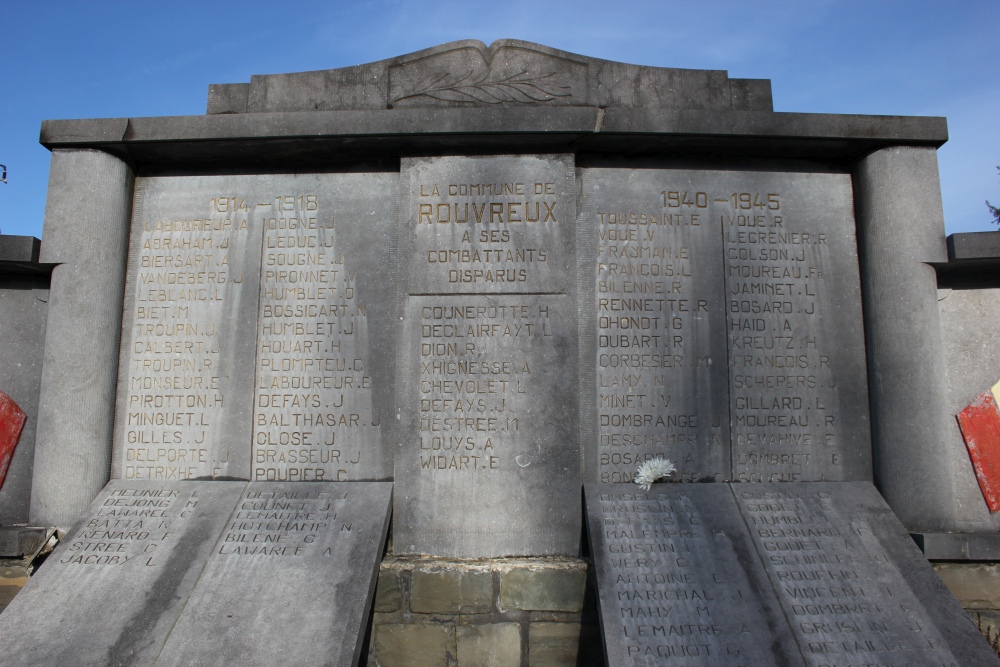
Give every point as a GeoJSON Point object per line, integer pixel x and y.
{"type": "Point", "coordinates": [113, 59]}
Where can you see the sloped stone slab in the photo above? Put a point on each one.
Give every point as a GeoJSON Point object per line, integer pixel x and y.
{"type": "Point", "coordinates": [232, 572]}
{"type": "Point", "coordinates": [816, 573]}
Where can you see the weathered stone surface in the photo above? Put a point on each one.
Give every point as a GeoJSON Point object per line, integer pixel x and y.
{"type": "Point", "coordinates": [494, 644]}
{"type": "Point", "coordinates": [974, 585]}
{"type": "Point", "coordinates": [19, 249]}
{"type": "Point", "coordinates": [487, 398]}
{"type": "Point", "coordinates": [842, 580]}
{"type": "Point", "coordinates": [222, 569]}
{"type": "Point", "coordinates": [403, 645]}
{"type": "Point", "coordinates": [451, 591]}
{"type": "Point", "coordinates": [388, 592]}
{"type": "Point", "coordinates": [553, 644]}
{"type": "Point", "coordinates": [959, 546]}
{"type": "Point", "coordinates": [543, 589]}
{"type": "Point", "coordinates": [295, 591]}
{"type": "Point", "coordinates": [112, 590]}
{"type": "Point", "coordinates": [257, 311]}
{"type": "Point", "coordinates": [678, 578]}
{"type": "Point", "coordinates": [851, 582]}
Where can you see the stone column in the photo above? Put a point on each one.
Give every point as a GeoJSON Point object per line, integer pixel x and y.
{"type": "Point", "coordinates": [87, 216]}
{"type": "Point", "coordinates": [900, 232]}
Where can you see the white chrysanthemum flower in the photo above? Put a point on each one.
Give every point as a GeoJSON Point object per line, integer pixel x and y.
{"type": "Point", "coordinates": [652, 470]}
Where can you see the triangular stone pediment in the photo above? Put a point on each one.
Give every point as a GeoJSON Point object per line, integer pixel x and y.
{"type": "Point", "coordinates": [509, 72]}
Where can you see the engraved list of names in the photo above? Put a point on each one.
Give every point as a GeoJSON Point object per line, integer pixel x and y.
{"type": "Point", "coordinates": [246, 336]}
{"type": "Point", "coordinates": [488, 358]}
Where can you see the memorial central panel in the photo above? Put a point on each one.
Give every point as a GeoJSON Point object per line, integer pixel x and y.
{"type": "Point", "coordinates": [255, 309]}
{"type": "Point", "coordinates": [488, 462]}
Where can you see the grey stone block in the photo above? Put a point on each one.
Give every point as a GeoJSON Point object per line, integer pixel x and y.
{"type": "Point", "coordinates": [456, 591]}
{"type": "Point", "coordinates": [227, 98]}
{"type": "Point", "coordinates": [543, 589]}
{"type": "Point", "coordinates": [850, 579]}
{"type": "Point", "coordinates": [112, 590]}
{"type": "Point", "coordinates": [973, 245]}
{"type": "Point", "coordinates": [553, 644]}
{"type": "Point", "coordinates": [494, 644]}
{"type": "Point", "coordinates": [507, 455]}
{"type": "Point", "coordinates": [405, 645]}
{"type": "Point", "coordinates": [959, 546]}
{"type": "Point", "coordinates": [897, 189]}
{"type": "Point", "coordinates": [388, 592]}
{"type": "Point", "coordinates": [321, 138]}
{"type": "Point", "coordinates": [653, 378]}
{"type": "Point", "coordinates": [22, 541]}
{"type": "Point", "coordinates": [86, 231]}
{"type": "Point", "coordinates": [739, 286]}
{"type": "Point", "coordinates": [22, 249]}
{"type": "Point", "coordinates": [488, 225]}
{"type": "Point", "coordinates": [297, 591]}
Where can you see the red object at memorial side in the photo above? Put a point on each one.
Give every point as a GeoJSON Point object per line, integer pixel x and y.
{"type": "Point", "coordinates": [12, 420]}
{"type": "Point", "coordinates": [980, 424]}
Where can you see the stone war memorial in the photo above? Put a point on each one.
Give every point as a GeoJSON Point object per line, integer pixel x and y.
{"type": "Point", "coordinates": [359, 367]}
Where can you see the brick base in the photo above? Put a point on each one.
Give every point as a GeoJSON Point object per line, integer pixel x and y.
{"type": "Point", "coordinates": [500, 612]}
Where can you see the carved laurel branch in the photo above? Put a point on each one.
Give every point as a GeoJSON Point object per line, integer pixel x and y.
{"type": "Point", "coordinates": [521, 87]}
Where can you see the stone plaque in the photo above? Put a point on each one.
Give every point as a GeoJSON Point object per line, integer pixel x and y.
{"type": "Point", "coordinates": [488, 463]}
{"type": "Point", "coordinates": [110, 593]}
{"type": "Point", "coordinates": [799, 399]}
{"type": "Point", "coordinates": [324, 326]}
{"type": "Point", "coordinates": [206, 573]}
{"type": "Point", "coordinates": [290, 580]}
{"type": "Point", "coordinates": [660, 346]}
{"type": "Point", "coordinates": [257, 315]}
{"type": "Point", "coordinates": [490, 224]}
{"type": "Point", "coordinates": [854, 587]}
{"type": "Point", "coordinates": [682, 571]}
{"type": "Point", "coordinates": [679, 581]}
{"type": "Point", "coordinates": [726, 326]}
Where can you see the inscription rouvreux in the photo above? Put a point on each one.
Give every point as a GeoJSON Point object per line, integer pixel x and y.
{"type": "Point", "coordinates": [488, 362]}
